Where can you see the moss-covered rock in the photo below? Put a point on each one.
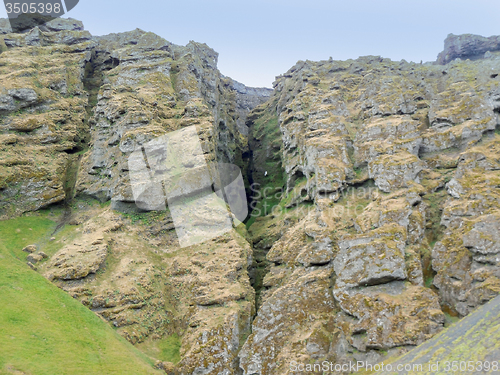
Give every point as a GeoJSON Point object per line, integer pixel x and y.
{"type": "Point", "coordinates": [380, 157]}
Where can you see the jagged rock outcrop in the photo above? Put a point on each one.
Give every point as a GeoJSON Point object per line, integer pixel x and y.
{"type": "Point", "coordinates": [374, 187]}
{"type": "Point", "coordinates": [74, 107]}
{"type": "Point", "coordinates": [43, 109]}
{"type": "Point", "coordinates": [126, 89]}
{"type": "Point", "coordinates": [390, 178]}
{"type": "Point", "coordinates": [152, 87]}
{"type": "Point", "coordinates": [468, 46]}
{"type": "Point", "coordinates": [466, 259]}
{"type": "Point", "coordinates": [27, 23]}
{"type": "Point", "coordinates": [247, 98]}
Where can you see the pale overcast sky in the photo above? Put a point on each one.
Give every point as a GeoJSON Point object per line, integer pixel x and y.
{"type": "Point", "coordinates": [260, 39]}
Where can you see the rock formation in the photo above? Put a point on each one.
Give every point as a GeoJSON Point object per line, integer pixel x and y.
{"type": "Point", "coordinates": [389, 209]}
{"type": "Point", "coordinates": [373, 187]}
{"type": "Point", "coordinates": [468, 46]}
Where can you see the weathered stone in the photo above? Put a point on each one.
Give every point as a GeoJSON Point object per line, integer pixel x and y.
{"type": "Point", "coordinates": [168, 367]}
{"type": "Point", "coordinates": [382, 315]}
{"type": "Point", "coordinates": [371, 260]}
{"type": "Point", "coordinates": [467, 46]}
{"type": "Point", "coordinates": [30, 249]}
{"type": "Point", "coordinates": [34, 258]}
{"type": "Point", "coordinates": [484, 238]}
{"type": "Point", "coordinates": [281, 325]}
{"type": "Point", "coordinates": [76, 261]}
{"type": "Point", "coordinates": [466, 259]}
{"type": "Point", "coordinates": [391, 172]}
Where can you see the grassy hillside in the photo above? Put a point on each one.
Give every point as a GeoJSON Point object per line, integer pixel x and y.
{"type": "Point", "coordinates": [44, 330]}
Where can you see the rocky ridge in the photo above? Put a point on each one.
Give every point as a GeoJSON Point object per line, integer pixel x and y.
{"type": "Point", "coordinates": [73, 109]}
{"type": "Point", "coordinates": [468, 46]}
{"type": "Point", "coordinates": [374, 184]}
{"type": "Point", "coordinates": [387, 211]}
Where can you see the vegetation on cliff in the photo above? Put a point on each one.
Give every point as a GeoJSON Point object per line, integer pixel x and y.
{"type": "Point", "coordinates": [373, 200]}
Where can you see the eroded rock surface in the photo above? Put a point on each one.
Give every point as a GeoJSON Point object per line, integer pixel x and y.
{"type": "Point", "coordinates": [73, 108]}
{"type": "Point", "coordinates": [375, 195]}
{"type": "Point", "coordinates": [389, 192]}
{"type": "Point", "coordinates": [468, 46]}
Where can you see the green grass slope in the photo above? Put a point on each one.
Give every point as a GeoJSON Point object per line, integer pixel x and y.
{"type": "Point", "coordinates": [45, 331]}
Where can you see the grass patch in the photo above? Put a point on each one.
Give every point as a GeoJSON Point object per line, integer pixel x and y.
{"type": "Point", "coordinates": [165, 349]}
{"type": "Point", "coordinates": [450, 319]}
{"type": "Point", "coordinates": [428, 280]}
{"type": "Point", "coordinates": [22, 231]}
{"type": "Point", "coordinates": [146, 218]}
{"type": "Point", "coordinates": [68, 232]}
{"type": "Point", "coordinates": [44, 330]}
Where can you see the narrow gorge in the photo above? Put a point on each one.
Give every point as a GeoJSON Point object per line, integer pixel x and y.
{"type": "Point", "coordinates": [373, 192]}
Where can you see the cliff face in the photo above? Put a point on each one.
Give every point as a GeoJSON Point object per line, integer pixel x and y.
{"type": "Point", "coordinates": [388, 212]}
{"type": "Point", "coordinates": [468, 46]}
{"type": "Point", "coordinates": [126, 89]}
{"type": "Point", "coordinates": [74, 107]}
{"type": "Point", "coordinates": [374, 187]}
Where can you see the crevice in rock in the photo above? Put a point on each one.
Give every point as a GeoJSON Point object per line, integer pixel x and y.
{"type": "Point", "coordinates": [70, 176]}
{"type": "Point", "coordinates": [434, 231]}
{"type": "Point", "coordinates": [93, 80]}
{"type": "Point", "coordinates": [94, 77]}
{"type": "Point", "coordinates": [259, 270]}
{"type": "Point", "coordinates": [265, 184]}
{"type": "Point", "coordinates": [72, 151]}
{"type": "Point", "coordinates": [91, 83]}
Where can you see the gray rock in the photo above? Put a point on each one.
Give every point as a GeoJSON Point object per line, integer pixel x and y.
{"type": "Point", "coordinates": [454, 188]}
{"type": "Point", "coordinates": [485, 237]}
{"type": "Point", "coordinates": [5, 27]}
{"type": "Point", "coordinates": [25, 22]}
{"type": "Point", "coordinates": [26, 95]}
{"type": "Point", "coordinates": [394, 171]}
{"type": "Point", "coordinates": [34, 258]}
{"type": "Point", "coordinates": [381, 322]}
{"type": "Point", "coordinates": [60, 24]}
{"type": "Point", "coordinates": [30, 249]}
{"type": "Point", "coordinates": [467, 46]}
{"type": "Point", "coordinates": [31, 22]}
{"type": "Point", "coordinates": [366, 261]}
{"type": "Point", "coordinates": [7, 103]}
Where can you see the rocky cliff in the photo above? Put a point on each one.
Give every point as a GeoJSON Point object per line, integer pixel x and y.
{"type": "Point", "coordinates": [373, 187]}
{"type": "Point", "coordinates": [468, 46]}
{"type": "Point", "coordinates": [73, 109]}
{"type": "Point", "coordinates": [385, 221]}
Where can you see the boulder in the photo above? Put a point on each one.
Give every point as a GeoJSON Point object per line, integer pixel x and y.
{"type": "Point", "coordinates": [34, 258]}
{"type": "Point", "coordinates": [30, 249]}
